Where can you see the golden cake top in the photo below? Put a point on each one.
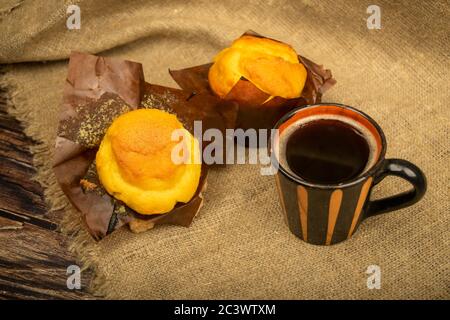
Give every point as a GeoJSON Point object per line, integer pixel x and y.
{"type": "Point", "coordinates": [135, 161]}
{"type": "Point", "coordinates": [271, 66]}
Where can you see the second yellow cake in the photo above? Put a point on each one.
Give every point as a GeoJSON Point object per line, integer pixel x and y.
{"type": "Point", "coordinates": [272, 66]}
{"type": "Point", "coordinates": [135, 161]}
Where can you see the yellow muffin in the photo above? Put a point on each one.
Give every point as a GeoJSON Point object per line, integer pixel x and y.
{"type": "Point", "coordinates": [135, 164]}
{"type": "Point", "coordinates": [272, 66]}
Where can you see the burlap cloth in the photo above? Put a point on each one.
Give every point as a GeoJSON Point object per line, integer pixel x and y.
{"type": "Point", "coordinates": [238, 246]}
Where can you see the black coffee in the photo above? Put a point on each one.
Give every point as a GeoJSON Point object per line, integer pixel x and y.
{"type": "Point", "coordinates": [327, 151]}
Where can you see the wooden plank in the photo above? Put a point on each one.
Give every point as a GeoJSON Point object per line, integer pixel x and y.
{"type": "Point", "coordinates": [33, 254]}
{"type": "Point", "coordinates": [33, 264]}
{"type": "Point", "coordinates": [6, 224]}
{"type": "Point", "coordinates": [18, 192]}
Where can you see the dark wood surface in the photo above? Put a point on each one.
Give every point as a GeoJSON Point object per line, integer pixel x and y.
{"type": "Point", "coordinates": [33, 254]}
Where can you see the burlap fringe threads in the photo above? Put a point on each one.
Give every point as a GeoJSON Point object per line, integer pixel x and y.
{"type": "Point", "coordinates": [79, 242]}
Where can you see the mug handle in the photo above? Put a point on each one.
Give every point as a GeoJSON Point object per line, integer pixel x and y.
{"type": "Point", "coordinates": [405, 170]}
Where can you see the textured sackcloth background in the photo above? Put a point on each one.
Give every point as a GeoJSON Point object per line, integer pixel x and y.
{"type": "Point", "coordinates": [238, 246]}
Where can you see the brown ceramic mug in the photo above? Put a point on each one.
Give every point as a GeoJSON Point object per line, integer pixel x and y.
{"type": "Point", "coordinates": [326, 214]}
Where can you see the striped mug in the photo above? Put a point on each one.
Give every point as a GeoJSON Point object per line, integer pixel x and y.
{"type": "Point", "coordinates": [326, 214]}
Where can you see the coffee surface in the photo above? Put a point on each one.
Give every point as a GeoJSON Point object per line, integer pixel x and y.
{"type": "Point", "coordinates": [327, 151]}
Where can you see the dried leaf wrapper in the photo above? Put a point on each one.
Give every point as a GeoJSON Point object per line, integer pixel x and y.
{"type": "Point", "coordinates": [97, 91]}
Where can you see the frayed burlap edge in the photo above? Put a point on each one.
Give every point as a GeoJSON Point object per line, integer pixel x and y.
{"type": "Point", "coordinates": [78, 240]}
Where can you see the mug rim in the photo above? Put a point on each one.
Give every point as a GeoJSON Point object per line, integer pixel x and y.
{"type": "Point", "coordinates": [370, 172]}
